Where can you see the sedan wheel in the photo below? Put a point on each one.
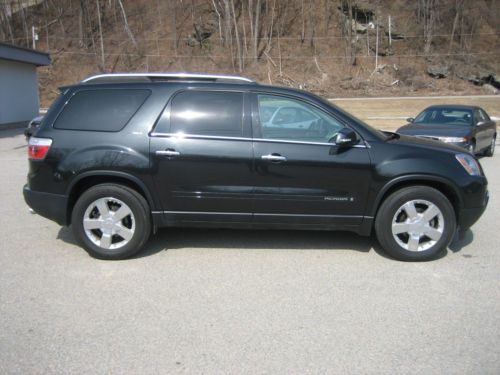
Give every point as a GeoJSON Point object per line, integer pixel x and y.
{"type": "Point", "coordinates": [491, 149]}
{"type": "Point", "coordinates": [471, 148]}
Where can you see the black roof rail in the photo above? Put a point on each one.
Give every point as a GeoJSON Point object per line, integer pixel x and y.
{"type": "Point", "coordinates": [164, 77]}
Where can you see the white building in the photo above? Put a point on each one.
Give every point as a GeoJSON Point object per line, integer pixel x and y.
{"type": "Point", "coordinates": [18, 83]}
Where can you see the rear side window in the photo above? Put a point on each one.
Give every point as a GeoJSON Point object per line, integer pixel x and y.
{"type": "Point", "coordinates": [213, 113]}
{"type": "Point", "coordinates": [100, 110]}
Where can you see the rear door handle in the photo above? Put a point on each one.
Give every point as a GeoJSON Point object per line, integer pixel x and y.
{"type": "Point", "coordinates": [275, 158]}
{"type": "Point", "coordinates": [168, 152]}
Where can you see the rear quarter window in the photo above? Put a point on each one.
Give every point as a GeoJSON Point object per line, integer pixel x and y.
{"type": "Point", "coordinates": [107, 110]}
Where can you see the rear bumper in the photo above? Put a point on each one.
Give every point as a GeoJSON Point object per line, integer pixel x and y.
{"type": "Point", "coordinates": [50, 206]}
{"type": "Point", "coordinates": [468, 216]}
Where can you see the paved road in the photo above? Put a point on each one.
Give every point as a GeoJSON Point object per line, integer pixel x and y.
{"type": "Point", "coordinates": [429, 97]}
{"type": "Point", "coordinates": [249, 302]}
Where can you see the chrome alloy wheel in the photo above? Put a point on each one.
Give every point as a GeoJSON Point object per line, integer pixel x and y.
{"type": "Point", "coordinates": [417, 225]}
{"type": "Point", "coordinates": [492, 147]}
{"type": "Point", "coordinates": [109, 223]}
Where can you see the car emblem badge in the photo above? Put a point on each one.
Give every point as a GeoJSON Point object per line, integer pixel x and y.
{"type": "Point", "coordinates": [339, 199]}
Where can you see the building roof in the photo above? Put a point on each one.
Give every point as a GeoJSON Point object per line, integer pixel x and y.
{"type": "Point", "coordinates": [25, 55]}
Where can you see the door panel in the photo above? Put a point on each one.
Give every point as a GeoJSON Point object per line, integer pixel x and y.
{"type": "Point", "coordinates": [210, 178]}
{"type": "Point", "coordinates": [203, 158]}
{"type": "Point", "coordinates": [300, 177]}
{"type": "Point", "coordinates": [314, 185]}
{"type": "Point", "coordinates": [484, 132]}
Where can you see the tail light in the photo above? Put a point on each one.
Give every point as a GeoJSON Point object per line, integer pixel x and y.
{"type": "Point", "coordinates": [38, 148]}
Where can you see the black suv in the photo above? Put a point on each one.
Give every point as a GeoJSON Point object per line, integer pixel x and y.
{"type": "Point", "coordinates": [118, 156]}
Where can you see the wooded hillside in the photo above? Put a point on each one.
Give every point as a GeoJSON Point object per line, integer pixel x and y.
{"type": "Point", "coordinates": [332, 47]}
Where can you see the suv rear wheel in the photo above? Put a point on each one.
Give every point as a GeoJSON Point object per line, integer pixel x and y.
{"type": "Point", "coordinates": [415, 223]}
{"type": "Point", "coordinates": [111, 221]}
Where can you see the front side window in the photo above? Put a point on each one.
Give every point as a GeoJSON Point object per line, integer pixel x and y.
{"type": "Point", "coordinates": [107, 110]}
{"type": "Point", "coordinates": [212, 113]}
{"type": "Point", "coordinates": [289, 119]}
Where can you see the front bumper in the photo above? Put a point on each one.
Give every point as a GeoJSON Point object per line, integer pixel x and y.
{"type": "Point", "coordinates": [468, 216]}
{"type": "Point", "coordinates": [50, 206]}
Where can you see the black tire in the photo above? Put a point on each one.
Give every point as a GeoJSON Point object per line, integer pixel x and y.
{"type": "Point", "coordinates": [491, 149]}
{"type": "Point", "coordinates": [137, 223]}
{"type": "Point", "coordinates": [391, 212]}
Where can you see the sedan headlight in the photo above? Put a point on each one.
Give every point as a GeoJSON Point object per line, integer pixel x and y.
{"type": "Point", "coordinates": [453, 139]}
{"type": "Point", "coordinates": [469, 163]}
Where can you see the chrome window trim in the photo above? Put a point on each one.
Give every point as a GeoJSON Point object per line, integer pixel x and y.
{"type": "Point", "coordinates": [304, 143]}
{"type": "Point", "coordinates": [217, 137]}
{"type": "Point", "coordinates": [198, 136]}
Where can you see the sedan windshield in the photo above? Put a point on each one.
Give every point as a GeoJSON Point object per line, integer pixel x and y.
{"type": "Point", "coordinates": [444, 116]}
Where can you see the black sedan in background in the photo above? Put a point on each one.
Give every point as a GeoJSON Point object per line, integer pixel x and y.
{"type": "Point", "coordinates": [469, 127]}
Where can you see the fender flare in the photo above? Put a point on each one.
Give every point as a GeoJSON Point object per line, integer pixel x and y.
{"type": "Point", "coordinates": [105, 173]}
{"type": "Point", "coordinates": [414, 178]}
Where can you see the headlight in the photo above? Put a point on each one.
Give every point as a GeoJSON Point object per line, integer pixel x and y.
{"type": "Point", "coordinates": [453, 139]}
{"type": "Point", "coordinates": [469, 163]}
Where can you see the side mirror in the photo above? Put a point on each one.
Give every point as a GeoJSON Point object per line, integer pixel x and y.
{"type": "Point", "coordinates": [481, 123]}
{"type": "Point", "coordinates": [346, 138]}
{"type": "Point", "coordinates": [28, 133]}
{"type": "Point", "coordinates": [410, 119]}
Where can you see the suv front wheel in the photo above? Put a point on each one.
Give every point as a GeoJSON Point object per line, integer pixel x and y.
{"type": "Point", "coordinates": [111, 221]}
{"type": "Point", "coordinates": [415, 223]}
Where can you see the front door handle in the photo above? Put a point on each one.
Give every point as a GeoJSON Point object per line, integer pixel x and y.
{"type": "Point", "coordinates": [168, 152]}
{"type": "Point", "coordinates": [274, 158]}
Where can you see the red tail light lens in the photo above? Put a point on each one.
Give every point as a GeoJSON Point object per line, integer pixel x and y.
{"type": "Point", "coordinates": [38, 148]}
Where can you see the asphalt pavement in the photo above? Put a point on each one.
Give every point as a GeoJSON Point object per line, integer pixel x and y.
{"type": "Point", "coordinates": [241, 302]}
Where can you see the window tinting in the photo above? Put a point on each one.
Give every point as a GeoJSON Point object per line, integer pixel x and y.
{"type": "Point", "coordinates": [207, 113]}
{"type": "Point", "coordinates": [100, 110]}
{"type": "Point", "coordinates": [288, 119]}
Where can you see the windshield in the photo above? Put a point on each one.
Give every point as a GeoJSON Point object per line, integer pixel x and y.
{"type": "Point", "coordinates": [444, 116]}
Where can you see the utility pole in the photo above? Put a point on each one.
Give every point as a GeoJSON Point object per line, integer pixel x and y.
{"type": "Point", "coordinates": [34, 36]}
{"type": "Point", "coordinates": [100, 34]}
{"type": "Point", "coordinates": [390, 35]}
{"type": "Point", "coordinates": [376, 46]}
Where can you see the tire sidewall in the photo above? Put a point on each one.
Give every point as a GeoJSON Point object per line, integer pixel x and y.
{"type": "Point", "coordinates": [136, 205]}
{"type": "Point", "coordinates": [472, 148]}
{"type": "Point", "coordinates": [491, 150]}
{"type": "Point", "coordinates": [383, 222]}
